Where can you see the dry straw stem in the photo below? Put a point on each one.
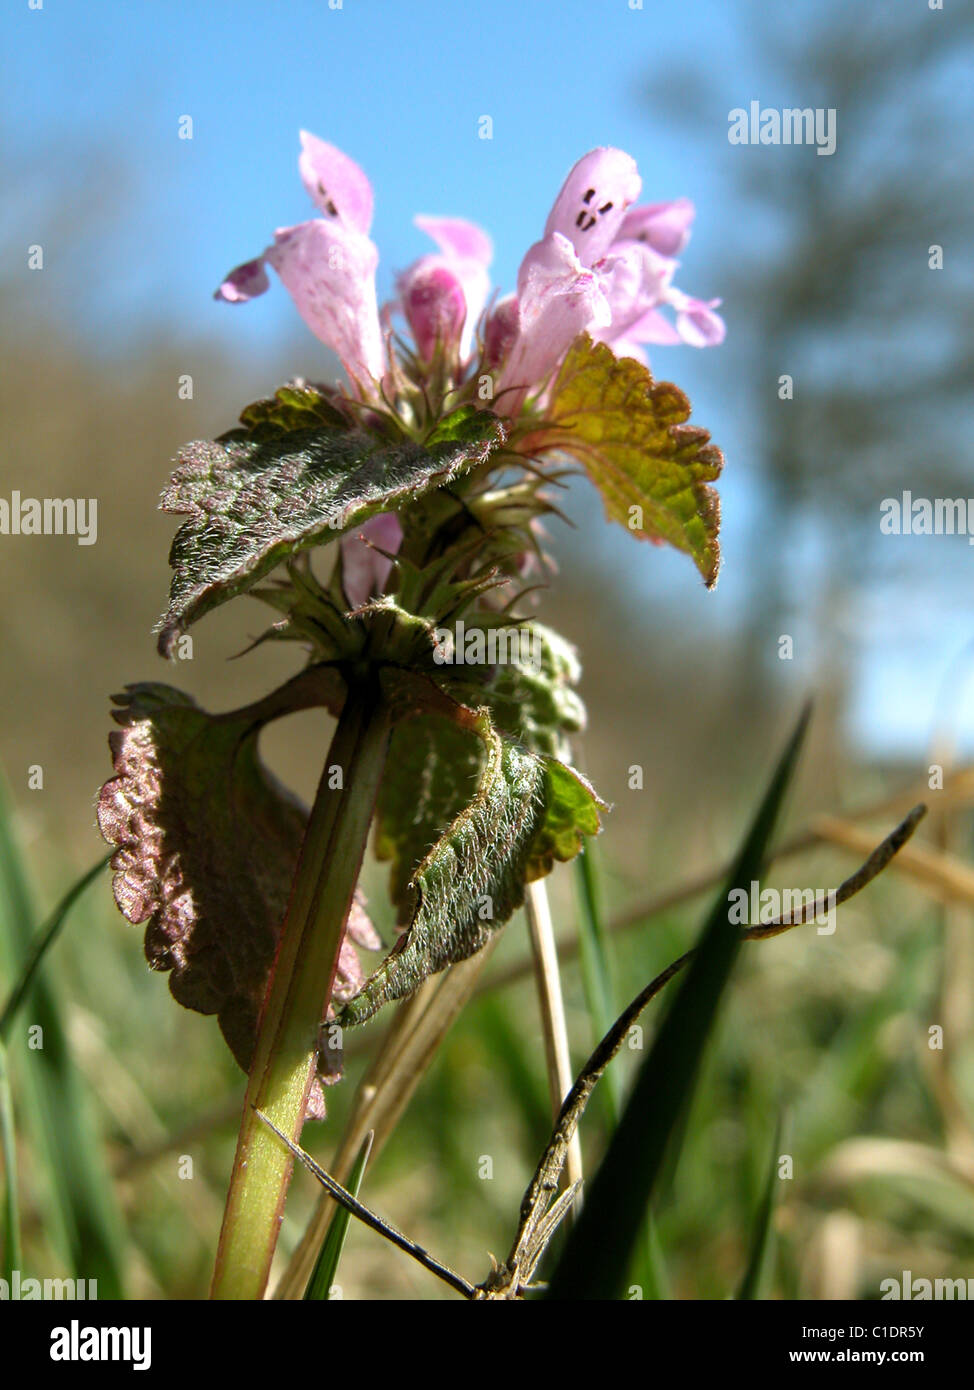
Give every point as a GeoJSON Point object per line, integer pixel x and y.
{"type": "Point", "coordinates": [941, 873]}
{"type": "Point", "coordinates": [956, 987]}
{"type": "Point", "coordinates": [542, 1211]}
{"type": "Point", "coordinates": [871, 1157]}
{"type": "Point", "coordinates": [552, 1005]}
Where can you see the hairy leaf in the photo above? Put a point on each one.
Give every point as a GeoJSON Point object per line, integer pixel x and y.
{"type": "Point", "coordinates": [296, 475]}
{"type": "Point", "coordinates": [207, 843]}
{"type": "Point", "coordinates": [528, 811]}
{"type": "Point", "coordinates": [532, 694]}
{"type": "Point", "coordinates": [431, 775]}
{"type": "Point", "coordinates": [631, 435]}
{"type": "Point", "coordinates": [434, 763]}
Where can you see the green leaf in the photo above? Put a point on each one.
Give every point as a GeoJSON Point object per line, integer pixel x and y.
{"type": "Point", "coordinates": [535, 699]}
{"type": "Point", "coordinates": [630, 434]}
{"type": "Point", "coordinates": [207, 844]}
{"type": "Point", "coordinates": [323, 1275]}
{"type": "Point", "coordinates": [649, 1266]}
{"type": "Point", "coordinates": [761, 1250]}
{"type": "Point", "coordinates": [45, 939]}
{"type": "Point", "coordinates": [600, 1245]}
{"type": "Point", "coordinates": [8, 1150]}
{"type": "Point", "coordinates": [295, 476]}
{"type": "Point", "coordinates": [528, 811]}
{"type": "Point", "coordinates": [431, 774]}
{"type": "Point", "coordinates": [434, 763]}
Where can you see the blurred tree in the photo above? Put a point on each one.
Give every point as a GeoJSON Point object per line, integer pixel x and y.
{"type": "Point", "coordinates": [836, 285]}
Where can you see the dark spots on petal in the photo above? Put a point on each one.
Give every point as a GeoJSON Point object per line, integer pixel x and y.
{"type": "Point", "coordinates": [329, 205]}
{"type": "Point", "coordinates": [586, 218]}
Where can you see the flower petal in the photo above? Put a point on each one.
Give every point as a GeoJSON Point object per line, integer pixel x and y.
{"type": "Point", "coordinates": [466, 252]}
{"type": "Point", "coordinates": [329, 271]}
{"type": "Point", "coordinates": [663, 226]}
{"type": "Point", "coordinates": [593, 200]}
{"type": "Point", "coordinates": [501, 330]}
{"type": "Point", "coordinates": [245, 282]}
{"type": "Point", "coordinates": [364, 568]}
{"type": "Point", "coordinates": [653, 327]}
{"type": "Point", "coordinates": [558, 298]}
{"type": "Point", "coordinates": [433, 300]}
{"type": "Point", "coordinates": [635, 279]}
{"type": "Point", "coordinates": [696, 322]}
{"type": "Point", "coordinates": [335, 183]}
{"type": "Point", "coordinates": [456, 237]}
{"type": "Point", "coordinates": [623, 347]}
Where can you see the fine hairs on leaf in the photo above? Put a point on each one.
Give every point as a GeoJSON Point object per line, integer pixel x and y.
{"type": "Point", "coordinates": [286, 482]}
{"type": "Point", "coordinates": [528, 811]}
{"type": "Point", "coordinates": [207, 843]}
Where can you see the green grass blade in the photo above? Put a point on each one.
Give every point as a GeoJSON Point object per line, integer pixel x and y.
{"type": "Point", "coordinates": [761, 1255]}
{"type": "Point", "coordinates": [44, 941]}
{"type": "Point", "coordinates": [649, 1268]}
{"type": "Point", "coordinates": [11, 1206]}
{"type": "Point", "coordinates": [600, 1246]}
{"type": "Point", "coordinates": [74, 1185]}
{"type": "Point", "coordinates": [323, 1276]}
{"type": "Point", "coordinates": [596, 976]}
{"type": "Point", "coordinates": [523, 1079]}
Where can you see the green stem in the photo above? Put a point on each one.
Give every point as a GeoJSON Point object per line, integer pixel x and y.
{"type": "Point", "coordinates": [298, 995]}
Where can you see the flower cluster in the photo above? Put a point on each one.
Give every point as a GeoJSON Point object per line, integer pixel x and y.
{"type": "Point", "coordinates": [605, 265]}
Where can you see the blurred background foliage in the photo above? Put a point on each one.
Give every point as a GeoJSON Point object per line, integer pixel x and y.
{"type": "Point", "coordinates": [831, 285]}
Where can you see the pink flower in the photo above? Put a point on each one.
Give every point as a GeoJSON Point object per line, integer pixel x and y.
{"type": "Point", "coordinates": [364, 568]}
{"type": "Point", "coordinates": [559, 291]}
{"type": "Point", "coordinates": [603, 267]}
{"type": "Point", "coordinates": [327, 264]}
{"type": "Point", "coordinates": [443, 295]}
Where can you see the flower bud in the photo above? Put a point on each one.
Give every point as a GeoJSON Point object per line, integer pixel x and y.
{"type": "Point", "coordinates": [500, 331]}
{"type": "Point", "coordinates": [435, 306]}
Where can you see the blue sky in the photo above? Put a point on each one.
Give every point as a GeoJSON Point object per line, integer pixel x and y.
{"type": "Point", "coordinates": [402, 85]}
{"type": "Point", "coordinates": [399, 86]}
